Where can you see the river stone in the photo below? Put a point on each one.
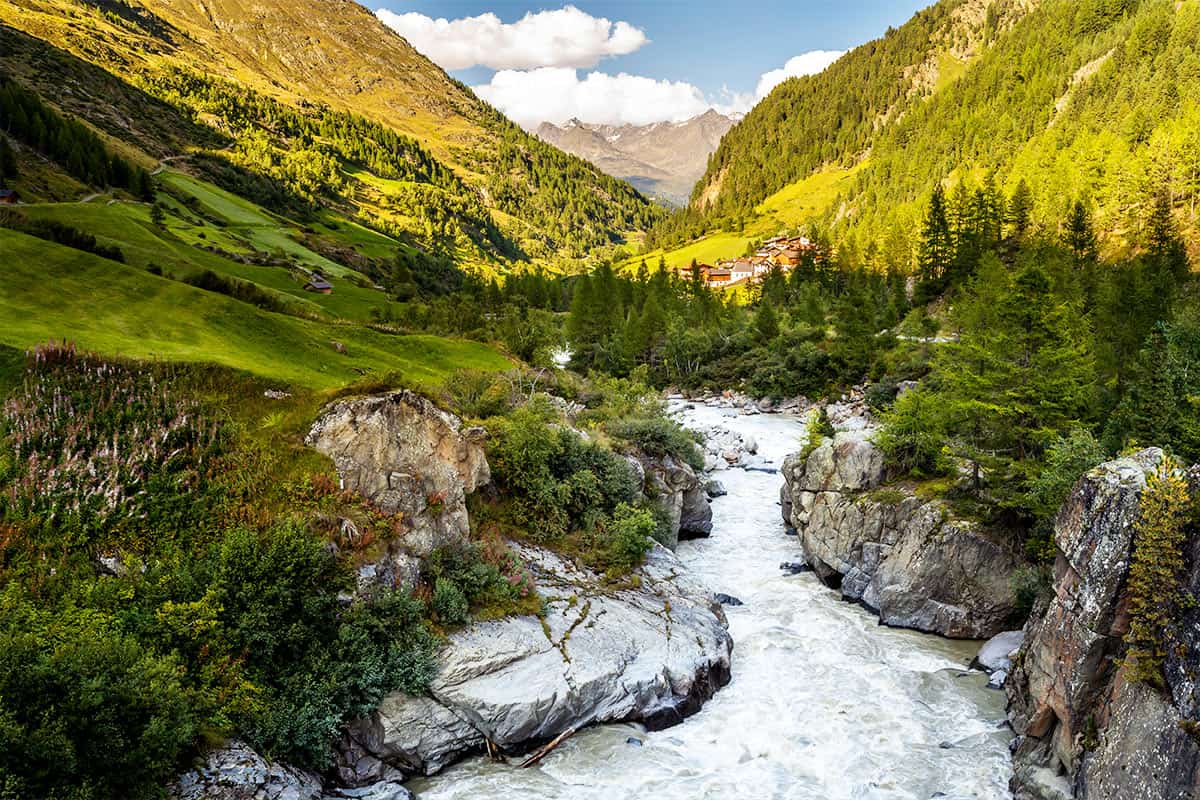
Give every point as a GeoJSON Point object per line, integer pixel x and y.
{"type": "Point", "coordinates": [715, 488]}
{"type": "Point", "coordinates": [995, 654]}
{"type": "Point", "coordinates": [408, 457]}
{"type": "Point", "coordinates": [727, 599]}
{"type": "Point", "coordinates": [652, 653]}
{"type": "Point", "coordinates": [680, 493]}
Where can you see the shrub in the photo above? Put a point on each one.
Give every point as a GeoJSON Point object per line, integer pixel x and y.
{"type": "Point", "coordinates": [449, 603]}
{"type": "Point", "coordinates": [88, 712]}
{"type": "Point", "coordinates": [477, 394]}
{"type": "Point", "coordinates": [59, 233]}
{"type": "Point", "coordinates": [659, 436]}
{"type": "Point", "coordinates": [316, 663]}
{"type": "Point", "coordinates": [245, 291]}
{"type": "Point", "coordinates": [913, 435]}
{"type": "Point", "coordinates": [630, 536]}
{"type": "Point", "coordinates": [555, 481]}
{"type": "Point", "coordinates": [817, 429]}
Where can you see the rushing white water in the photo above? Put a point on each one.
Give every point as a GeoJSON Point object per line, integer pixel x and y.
{"type": "Point", "coordinates": [824, 704]}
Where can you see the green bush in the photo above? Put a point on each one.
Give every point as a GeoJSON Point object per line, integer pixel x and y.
{"type": "Point", "coordinates": [450, 603]}
{"type": "Point", "coordinates": [86, 711]}
{"type": "Point", "coordinates": [659, 436]}
{"type": "Point", "coordinates": [630, 536]}
{"type": "Point", "coordinates": [477, 394]}
{"type": "Point", "coordinates": [913, 435]}
{"type": "Point", "coordinates": [555, 481]}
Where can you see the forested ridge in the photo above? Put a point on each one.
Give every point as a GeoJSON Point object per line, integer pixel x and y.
{"type": "Point", "coordinates": [1093, 99]}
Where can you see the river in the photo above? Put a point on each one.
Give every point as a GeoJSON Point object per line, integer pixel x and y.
{"type": "Point", "coordinates": [824, 704]}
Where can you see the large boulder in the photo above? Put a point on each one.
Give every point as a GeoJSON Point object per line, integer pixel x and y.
{"type": "Point", "coordinates": [910, 560]}
{"type": "Point", "coordinates": [1075, 714]}
{"type": "Point", "coordinates": [408, 457]}
{"type": "Point", "coordinates": [652, 652]}
{"type": "Point", "coordinates": [680, 492]}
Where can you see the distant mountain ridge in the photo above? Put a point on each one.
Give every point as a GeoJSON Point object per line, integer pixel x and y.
{"type": "Point", "coordinates": [663, 159]}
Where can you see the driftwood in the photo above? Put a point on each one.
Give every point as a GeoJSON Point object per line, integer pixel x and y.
{"type": "Point", "coordinates": [494, 752]}
{"type": "Point", "coordinates": [546, 749]}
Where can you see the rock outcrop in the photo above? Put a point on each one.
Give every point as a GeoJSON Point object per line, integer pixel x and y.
{"type": "Point", "coordinates": [650, 653]}
{"type": "Point", "coordinates": [1083, 730]}
{"type": "Point", "coordinates": [410, 458]}
{"type": "Point", "coordinates": [680, 492]}
{"type": "Point", "coordinates": [908, 559]}
{"type": "Point", "coordinates": [235, 772]}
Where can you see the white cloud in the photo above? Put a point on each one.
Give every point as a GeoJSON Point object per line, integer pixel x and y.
{"type": "Point", "coordinates": [557, 94]}
{"type": "Point", "coordinates": [809, 63]}
{"type": "Point", "coordinates": [566, 37]}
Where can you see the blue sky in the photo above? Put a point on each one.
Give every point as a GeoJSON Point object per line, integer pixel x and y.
{"type": "Point", "coordinates": [625, 61]}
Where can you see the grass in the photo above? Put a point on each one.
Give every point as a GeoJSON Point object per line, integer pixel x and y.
{"type": "Point", "coordinates": [56, 293]}
{"type": "Point", "coordinates": [803, 200]}
{"type": "Point", "coordinates": [710, 249]}
{"type": "Point", "coordinates": [177, 250]}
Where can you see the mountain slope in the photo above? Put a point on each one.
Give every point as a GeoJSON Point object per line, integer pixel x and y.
{"type": "Point", "coordinates": [334, 61]}
{"type": "Point", "coordinates": [1094, 99]}
{"type": "Point", "coordinates": [663, 159]}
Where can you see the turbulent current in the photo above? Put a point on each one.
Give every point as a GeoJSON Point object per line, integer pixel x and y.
{"type": "Point", "coordinates": [824, 704]}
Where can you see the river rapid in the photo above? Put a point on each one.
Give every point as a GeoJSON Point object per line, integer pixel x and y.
{"type": "Point", "coordinates": [824, 704]}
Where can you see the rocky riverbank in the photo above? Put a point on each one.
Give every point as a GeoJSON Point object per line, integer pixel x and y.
{"type": "Point", "coordinates": [909, 559]}
{"type": "Point", "coordinates": [652, 652]}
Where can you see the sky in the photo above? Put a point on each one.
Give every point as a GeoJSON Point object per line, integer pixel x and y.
{"type": "Point", "coordinates": [625, 61]}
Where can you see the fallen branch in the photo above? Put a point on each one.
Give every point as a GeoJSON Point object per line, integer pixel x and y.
{"type": "Point", "coordinates": [555, 742]}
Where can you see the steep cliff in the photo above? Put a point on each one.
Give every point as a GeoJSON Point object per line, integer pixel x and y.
{"type": "Point", "coordinates": [909, 559]}
{"type": "Point", "coordinates": [1083, 729]}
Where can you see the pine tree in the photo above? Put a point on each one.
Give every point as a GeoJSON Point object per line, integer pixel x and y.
{"type": "Point", "coordinates": [937, 244]}
{"type": "Point", "coordinates": [1078, 235]}
{"type": "Point", "coordinates": [766, 322]}
{"type": "Point", "coordinates": [1155, 593]}
{"type": "Point", "coordinates": [1020, 206]}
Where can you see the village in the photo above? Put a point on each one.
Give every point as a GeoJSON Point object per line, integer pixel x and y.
{"type": "Point", "coordinates": [780, 252]}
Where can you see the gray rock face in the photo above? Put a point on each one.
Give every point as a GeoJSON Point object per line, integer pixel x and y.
{"type": "Point", "coordinates": [906, 558]}
{"type": "Point", "coordinates": [235, 772]}
{"type": "Point", "coordinates": [680, 491]}
{"type": "Point", "coordinates": [407, 456]}
{"type": "Point", "coordinates": [1075, 714]}
{"type": "Point", "coordinates": [651, 654]}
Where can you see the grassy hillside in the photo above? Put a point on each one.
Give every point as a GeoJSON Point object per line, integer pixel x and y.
{"type": "Point", "coordinates": [304, 106]}
{"type": "Point", "coordinates": [58, 293]}
{"type": "Point", "coordinates": [1096, 100]}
